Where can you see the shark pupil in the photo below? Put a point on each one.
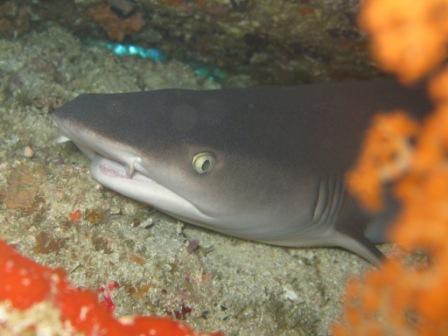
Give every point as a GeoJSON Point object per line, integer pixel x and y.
{"type": "Point", "coordinates": [206, 165]}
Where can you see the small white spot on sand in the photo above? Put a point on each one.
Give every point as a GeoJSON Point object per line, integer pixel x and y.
{"type": "Point", "coordinates": [28, 152]}
{"type": "Point", "coordinates": [3, 315]}
{"type": "Point", "coordinates": [290, 294]}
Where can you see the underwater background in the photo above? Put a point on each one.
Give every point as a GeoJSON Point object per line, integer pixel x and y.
{"type": "Point", "coordinates": [55, 213]}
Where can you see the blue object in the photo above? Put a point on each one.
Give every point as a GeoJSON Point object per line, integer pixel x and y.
{"type": "Point", "coordinates": [156, 55]}
{"type": "Point", "coordinates": [121, 49]}
{"type": "Point", "coordinates": [210, 73]}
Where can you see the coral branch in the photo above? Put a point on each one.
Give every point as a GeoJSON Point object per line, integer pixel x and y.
{"type": "Point", "coordinates": [408, 38]}
{"type": "Point", "coordinates": [403, 297]}
{"type": "Point", "coordinates": [385, 157]}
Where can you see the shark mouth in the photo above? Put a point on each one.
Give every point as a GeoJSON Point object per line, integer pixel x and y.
{"type": "Point", "coordinates": [119, 168]}
{"type": "Point", "coordinates": [115, 176]}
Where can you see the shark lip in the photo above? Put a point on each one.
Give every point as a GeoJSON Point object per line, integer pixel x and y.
{"type": "Point", "coordinates": [142, 188]}
{"type": "Point", "coordinates": [120, 168]}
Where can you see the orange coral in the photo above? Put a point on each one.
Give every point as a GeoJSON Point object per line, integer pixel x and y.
{"type": "Point", "coordinates": [386, 155]}
{"type": "Point", "coordinates": [408, 38]}
{"type": "Point", "coordinates": [400, 297]}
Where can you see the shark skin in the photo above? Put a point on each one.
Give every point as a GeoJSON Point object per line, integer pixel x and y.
{"type": "Point", "coordinates": [264, 164]}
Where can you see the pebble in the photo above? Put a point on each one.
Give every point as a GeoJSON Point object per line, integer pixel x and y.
{"type": "Point", "coordinates": [28, 152]}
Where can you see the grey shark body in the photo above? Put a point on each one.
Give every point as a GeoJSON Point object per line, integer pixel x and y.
{"type": "Point", "coordinates": [274, 159]}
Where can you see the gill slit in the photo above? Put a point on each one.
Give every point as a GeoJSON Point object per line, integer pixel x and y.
{"type": "Point", "coordinates": [329, 198]}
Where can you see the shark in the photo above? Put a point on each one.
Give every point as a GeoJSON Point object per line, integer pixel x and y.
{"type": "Point", "coordinates": [265, 164]}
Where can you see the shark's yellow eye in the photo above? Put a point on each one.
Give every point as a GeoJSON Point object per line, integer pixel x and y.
{"type": "Point", "coordinates": [203, 162]}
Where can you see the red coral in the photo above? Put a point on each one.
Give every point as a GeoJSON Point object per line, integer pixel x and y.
{"type": "Point", "coordinates": [75, 215]}
{"type": "Point", "coordinates": [25, 283]}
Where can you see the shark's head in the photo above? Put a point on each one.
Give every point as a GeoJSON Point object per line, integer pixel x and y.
{"type": "Point", "coordinates": [181, 153]}
{"type": "Point", "coordinates": [265, 164]}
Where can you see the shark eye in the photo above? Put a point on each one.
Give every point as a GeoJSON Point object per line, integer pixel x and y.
{"type": "Point", "coordinates": [203, 162]}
